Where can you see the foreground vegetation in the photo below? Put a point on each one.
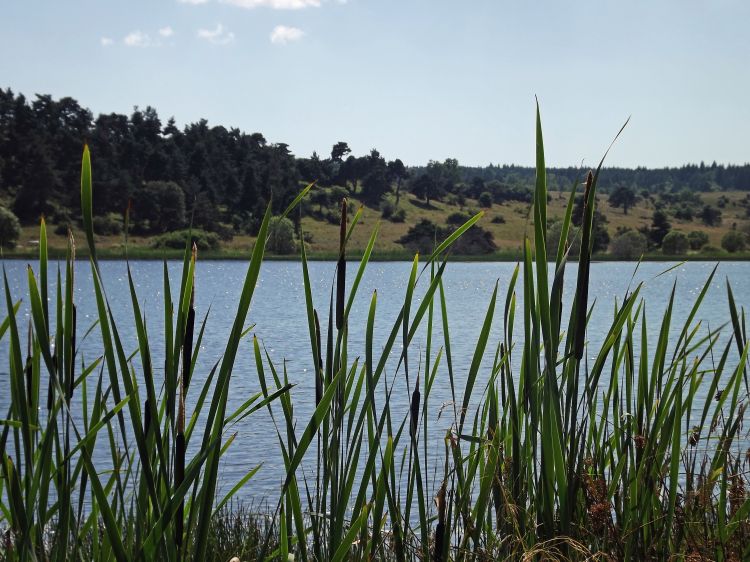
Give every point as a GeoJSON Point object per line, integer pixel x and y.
{"type": "Point", "coordinates": [636, 449]}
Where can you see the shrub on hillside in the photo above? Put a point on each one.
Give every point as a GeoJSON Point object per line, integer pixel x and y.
{"type": "Point", "coordinates": [333, 216]}
{"type": "Point", "coordinates": [697, 239]}
{"type": "Point", "coordinates": [675, 243]}
{"type": "Point", "coordinates": [485, 200]}
{"type": "Point", "coordinates": [10, 228]}
{"type": "Point", "coordinates": [628, 245]}
{"type": "Point", "coordinates": [554, 231]}
{"type": "Point", "coordinates": [734, 241]}
{"type": "Point", "coordinates": [108, 225]}
{"type": "Point", "coordinates": [159, 206]}
{"type": "Point", "coordinates": [711, 216]}
{"type": "Point", "coordinates": [387, 208]}
{"type": "Point", "coordinates": [224, 231]}
{"type": "Point", "coordinates": [281, 238]}
{"type": "Point", "coordinates": [457, 218]}
{"type": "Point", "coordinates": [683, 213]}
{"type": "Point", "coordinates": [399, 215]}
{"type": "Point", "coordinates": [177, 239]}
{"type": "Point", "coordinates": [424, 236]}
{"type": "Point", "coordinates": [498, 219]}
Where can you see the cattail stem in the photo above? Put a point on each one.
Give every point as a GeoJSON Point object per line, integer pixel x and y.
{"type": "Point", "coordinates": [180, 446]}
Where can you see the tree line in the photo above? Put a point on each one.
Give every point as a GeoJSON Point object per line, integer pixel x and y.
{"type": "Point", "coordinates": [222, 178]}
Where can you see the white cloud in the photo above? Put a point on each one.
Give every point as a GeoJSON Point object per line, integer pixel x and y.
{"type": "Point", "coordinates": [137, 39]}
{"type": "Point", "coordinates": [275, 4]}
{"type": "Point", "coordinates": [166, 31]}
{"type": "Point", "coordinates": [193, 2]}
{"type": "Point", "coordinates": [282, 34]}
{"type": "Point", "coordinates": [218, 36]}
{"type": "Point", "coordinates": [106, 41]}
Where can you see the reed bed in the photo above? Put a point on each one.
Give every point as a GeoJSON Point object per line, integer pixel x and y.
{"type": "Point", "coordinates": [635, 450]}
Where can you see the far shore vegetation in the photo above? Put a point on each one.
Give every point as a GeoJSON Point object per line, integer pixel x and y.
{"type": "Point", "coordinates": [160, 180]}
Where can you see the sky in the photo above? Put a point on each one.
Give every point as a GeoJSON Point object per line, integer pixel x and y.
{"type": "Point", "coordinates": [418, 80]}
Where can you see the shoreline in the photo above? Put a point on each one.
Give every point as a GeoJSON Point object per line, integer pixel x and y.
{"type": "Point", "coordinates": [355, 255]}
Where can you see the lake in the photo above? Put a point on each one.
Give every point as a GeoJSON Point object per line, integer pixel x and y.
{"type": "Point", "coordinates": [278, 313]}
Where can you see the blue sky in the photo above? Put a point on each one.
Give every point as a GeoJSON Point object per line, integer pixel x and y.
{"type": "Point", "coordinates": [417, 79]}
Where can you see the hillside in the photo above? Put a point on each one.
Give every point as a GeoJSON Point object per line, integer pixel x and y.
{"type": "Point", "coordinates": [506, 222]}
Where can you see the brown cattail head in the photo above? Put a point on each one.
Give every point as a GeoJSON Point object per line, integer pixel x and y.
{"type": "Point", "coordinates": [146, 417]}
{"type": "Point", "coordinates": [187, 341]}
{"type": "Point", "coordinates": [440, 528]}
{"type": "Point", "coordinates": [414, 410]}
{"type": "Point", "coordinates": [71, 382]}
{"type": "Point", "coordinates": [181, 409]}
{"type": "Point", "coordinates": [341, 269]}
{"type": "Point", "coordinates": [195, 260]}
{"type": "Point", "coordinates": [582, 284]}
{"type": "Point", "coordinates": [587, 187]}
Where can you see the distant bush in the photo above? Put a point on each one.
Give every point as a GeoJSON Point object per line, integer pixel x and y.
{"type": "Point", "coordinates": [110, 224]}
{"type": "Point", "coordinates": [61, 228]}
{"type": "Point", "coordinates": [485, 200]}
{"type": "Point", "coordinates": [162, 205]}
{"type": "Point", "coordinates": [387, 208]}
{"type": "Point", "coordinates": [629, 245]}
{"type": "Point", "coordinates": [224, 231]}
{"type": "Point", "coordinates": [281, 239]}
{"type": "Point", "coordinates": [711, 216]}
{"type": "Point", "coordinates": [675, 243]}
{"type": "Point", "coordinates": [399, 215]}
{"type": "Point", "coordinates": [498, 219]}
{"type": "Point", "coordinates": [683, 213]}
{"type": "Point", "coordinates": [333, 216]}
{"type": "Point", "coordinates": [711, 250]}
{"type": "Point", "coordinates": [451, 199]}
{"type": "Point", "coordinates": [178, 238]}
{"type": "Point", "coordinates": [426, 235]}
{"type": "Point", "coordinates": [697, 239]}
{"type": "Point", "coordinates": [554, 231]}
{"type": "Point", "coordinates": [10, 228]}
{"type": "Point", "coordinates": [457, 218]}
{"type": "Point", "coordinates": [734, 241]}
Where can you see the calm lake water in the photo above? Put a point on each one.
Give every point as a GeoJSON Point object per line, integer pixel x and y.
{"type": "Point", "coordinates": [278, 313]}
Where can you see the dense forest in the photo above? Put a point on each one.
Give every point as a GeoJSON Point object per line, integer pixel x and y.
{"type": "Point", "coordinates": [223, 178]}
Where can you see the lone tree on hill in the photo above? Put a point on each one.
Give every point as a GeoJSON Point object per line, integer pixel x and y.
{"type": "Point", "coordinates": [397, 172]}
{"type": "Point", "coordinates": [660, 227]}
{"type": "Point", "coordinates": [623, 196]}
{"type": "Point", "coordinates": [711, 216]}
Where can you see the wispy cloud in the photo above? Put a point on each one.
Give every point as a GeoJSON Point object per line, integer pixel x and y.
{"type": "Point", "coordinates": [137, 39]}
{"type": "Point", "coordinates": [106, 41]}
{"type": "Point", "coordinates": [275, 4]}
{"type": "Point", "coordinates": [166, 31]}
{"type": "Point", "coordinates": [193, 2]}
{"type": "Point", "coordinates": [217, 36]}
{"type": "Point", "coordinates": [282, 34]}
